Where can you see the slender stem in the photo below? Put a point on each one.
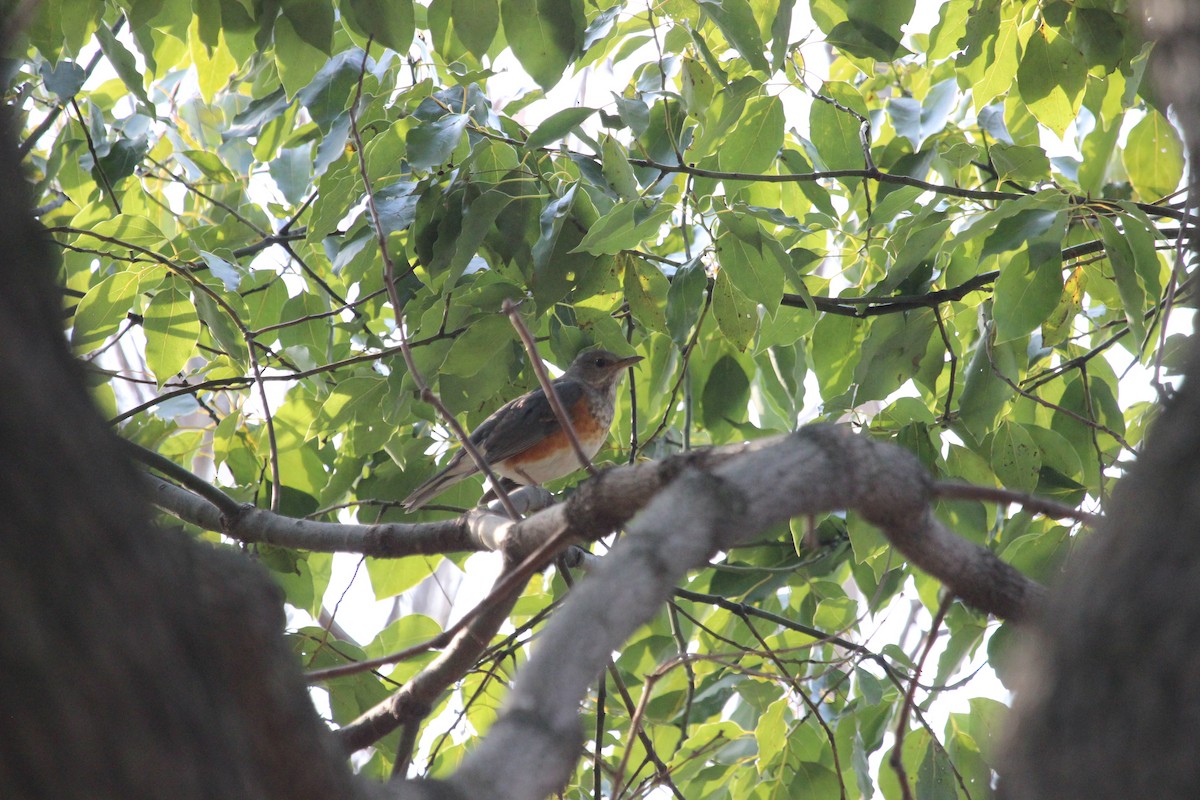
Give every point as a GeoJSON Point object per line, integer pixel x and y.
{"type": "Point", "coordinates": [389, 275]}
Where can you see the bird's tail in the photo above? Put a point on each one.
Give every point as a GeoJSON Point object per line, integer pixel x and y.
{"type": "Point", "coordinates": [458, 469]}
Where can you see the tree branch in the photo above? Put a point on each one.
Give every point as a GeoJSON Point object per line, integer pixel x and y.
{"type": "Point", "coordinates": [533, 746]}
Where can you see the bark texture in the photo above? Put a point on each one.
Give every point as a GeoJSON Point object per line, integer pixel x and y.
{"type": "Point", "coordinates": [134, 663]}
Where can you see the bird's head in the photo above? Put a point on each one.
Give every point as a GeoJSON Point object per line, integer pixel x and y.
{"type": "Point", "coordinates": [599, 368]}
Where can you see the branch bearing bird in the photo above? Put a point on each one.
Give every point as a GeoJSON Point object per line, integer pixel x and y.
{"type": "Point", "coordinates": [523, 440]}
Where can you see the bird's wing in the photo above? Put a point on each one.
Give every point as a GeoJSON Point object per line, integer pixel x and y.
{"type": "Point", "coordinates": [460, 466]}
{"type": "Point", "coordinates": [515, 427]}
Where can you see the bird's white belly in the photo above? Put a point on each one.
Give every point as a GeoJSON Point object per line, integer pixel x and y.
{"type": "Point", "coordinates": [559, 462]}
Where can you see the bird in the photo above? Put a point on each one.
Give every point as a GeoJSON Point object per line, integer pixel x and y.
{"type": "Point", "coordinates": [523, 441]}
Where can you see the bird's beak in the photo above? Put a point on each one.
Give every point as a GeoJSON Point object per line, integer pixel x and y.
{"type": "Point", "coordinates": [628, 362]}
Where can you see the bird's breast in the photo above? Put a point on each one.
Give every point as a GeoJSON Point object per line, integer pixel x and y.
{"type": "Point", "coordinates": [553, 457]}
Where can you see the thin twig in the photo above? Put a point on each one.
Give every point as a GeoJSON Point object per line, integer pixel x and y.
{"type": "Point", "coordinates": [242, 381]}
{"type": "Point", "coordinates": [389, 281]}
{"type": "Point", "coordinates": [662, 771]}
{"type": "Point", "coordinates": [186, 478]}
{"type": "Point", "coordinates": [685, 354]}
{"type": "Point", "coordinates": [689, 697]}
{"type": "Point", "coordinates": [1091, 423]}
{"type": "Point", "coordinates": [504, 587]}
{"type": "Point", "coordinates": [635, 725]}
{"type": "Point", "coordinates": [1177, 269]}
{"type": "Point", "coordinates": [897, 757]}
{"type": "Point", "coordinates": [233, 212]}
{"type": "Point", "coordinates": [633, 400]}
{"type": "Point", "coordinates": [950, 490]}
{"type": "Point", "coordinates": [937, 315]}
{"type": "Point", "coordinates": [87, 134]}
{"type": "Point", "coordinates": [814, 712]}
{"type": "Point", "coordinates": [18, 20]}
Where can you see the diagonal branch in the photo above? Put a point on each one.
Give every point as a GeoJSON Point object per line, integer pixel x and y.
{"type": "Point", "coordinates": [532, 748]}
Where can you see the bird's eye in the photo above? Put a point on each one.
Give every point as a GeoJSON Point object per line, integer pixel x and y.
{"type": "Point", "coordinates": [601, 361]}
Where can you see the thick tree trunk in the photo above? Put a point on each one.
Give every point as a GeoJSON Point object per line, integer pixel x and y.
{"type": "Point", "coordinates": [1111, 702]}
{"type": "Point", "coordinates": [133, 663]}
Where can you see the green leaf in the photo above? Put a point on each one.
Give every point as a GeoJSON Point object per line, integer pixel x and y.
{"type": "Point", "coordinates": [697, 88]}
{"type": "Point", "coordinates": [131, 229]}
{"type": "Point", "coordinates": [103, 309]}
{"type": "Point", "coordinates": [1100, 34]}
{"type": "Point", "coordinates": [1060, 324]}
{"type": "Point", "coordinates": [292, 173]}
{"type": "Point", "coordinates": [311, 22]}
{"type": "Point", "coordinates": [984, 391]}
{"type": "Point", "coordinates": [736, 21]}
{"type": "Point", "coordinates": [918, 120]}
{"type": "Point", "coordinates": [771, 732]}
{"type": "Point", "coordinates": [1022, 163]}
{"type": "Point", "coordinates": [563, 223]}
{"type": "Point", "coordinates": [726, 110]}
{"type": "Point", "coordinates": [172, 329]}
{"type": "Point", "coordinates": [835, 613]}
{"type": "Point", "coordinates": [1016, 231]}
{"type": "Point", "coordinates": [645, 290]}
{"type": "Point", "coordinates": [1153, 157]}
{"type": "Point", "coordinates": [756, 274]}
{"type": "Point", "coordinates": [936, 776]}
{"type": "Point", "coordinates": [1002, 66]}
{"type": "Point", "coordinates": [835, 132]}
{"type": "Point", "coordinates": [64, 79]}
{"type": "Point", "coordinates": [754, 142]}
{"type": "Point", "coordinates": [476, 23]}
{"type": "Point", "coordinates": [914, 250]}
{"type": "Point", "coordinates": [685, 298]}
{"type": "Point", "coordinates": [864, 39]}
{"type": "Point", "coordinates": [390, 577]}
{"type": "Point", "coordinates": [477, 222]}
{"type": "Point", "coordinates": [478, 345]}
{"type": "Point", "coordinates": [1142, 236]}
{"type": "Point", "coordinates": [1129, 284]}
{"type": "Point", "coordinates": [557, 125]}
{"type": "Point", "coordinates": [726, 393]}
{"type": "Point", "coordinates": [210, 164]}
{"type": "Point", "coordinates": [616, 170]}
{"type": "Point", "coordinates": [735, 313]}
{"type": "Point", "coordinates": [1026, 294]}
{"type": "Point", "coordinates": [781, 28]}
{"type": "Point", "coordinates": [222, 327]}
{"type": "Point", "coordinates": [1051, 79]}
{"type": "Point", "coordinates": [864, 29]}
{"type": "Point", "coordinates": [124, 65]}
{"type": "Point", "coordinates": [545, 36]}
{"type": "Point", "coordinates": [390, 22]}
{"type": "Point", "coordinates": [1015, 458]}
{"type": "Point", "coordinates": [625, 227]}
{"type": "Point", "coordinates": [431, 144]}
{"type": "Point", "coordinates": [230, 274]}
{"type": "Point", "coordinates": [892, 353]}
{"type": "Point", "coordinates": [296, 57]}
{"type": "Point", "coordinates": [331, 89]}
